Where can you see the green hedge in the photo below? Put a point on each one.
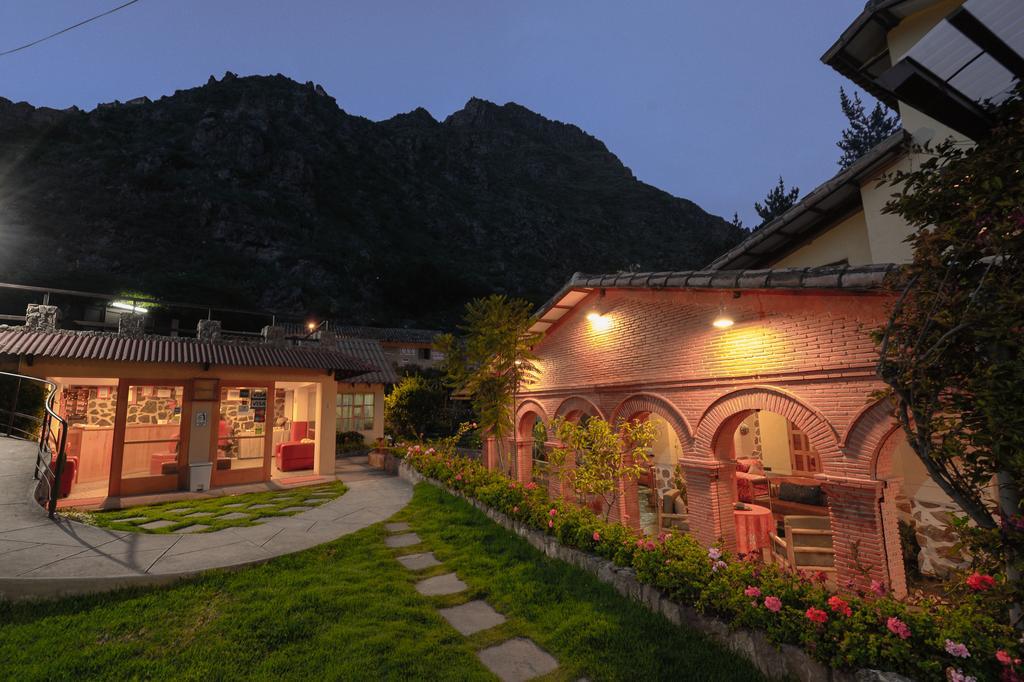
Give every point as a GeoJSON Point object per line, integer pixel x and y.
{"type": "Point", "coordinates": [852, 630]}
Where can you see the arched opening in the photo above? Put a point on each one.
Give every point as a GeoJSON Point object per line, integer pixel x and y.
{"type": "Point", "coordinates": [531, 439]}
{"type": "Point", "coordinates": [540, 471]}
{"type": "Point", "coordinates": [780, 509]}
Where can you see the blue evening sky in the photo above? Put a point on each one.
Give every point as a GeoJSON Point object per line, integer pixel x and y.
{"type": "Point", "coordinates": [708, 100]}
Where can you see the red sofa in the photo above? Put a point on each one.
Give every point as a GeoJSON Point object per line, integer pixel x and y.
{"type": "Point", "coordinates": [294, 456]}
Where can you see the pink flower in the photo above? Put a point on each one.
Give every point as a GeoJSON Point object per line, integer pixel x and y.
{"type": "Point", "coordinates": [458, 477]}
{"type": "Point", "coordinates": [773, 604]}
{"type": "Point", "coordinates": [552, 512]}
{"type": "Point", "coordinates": [839, 605]}
{"type": "Point", "coordinates": [816, 615]}
{"type": "Point", "coordinates": [551, 524]}
{"type": "Point", "coordinates": [718, 566]}
{"type": "Point", "coordinates": [898, 627]}
{"type": "Point", "coordinates": [649, 546]}
{"type": "Point", "coordinates": [752, 591]}
{"type": "Point", "coordinates": [1004, 657]}
{"type": "Point", "coordinates": [714, 554]}
{"type": "Point", "coordinates": [531, 485]}
{"type": "Point", "coordinates": [878, 588]}
{"type": "Point", "coordinates": [597, 536]}
{"type": "Point", "coordinates": [515, 509]}
{"type": "Point", "coordinates": [980, 582]}
{"type": "Point", "coordinates": [957, 649]}
{"type": "Point", "coordinates": [957, 675]}
{"type": "Point", "coordinates": [640, 543]}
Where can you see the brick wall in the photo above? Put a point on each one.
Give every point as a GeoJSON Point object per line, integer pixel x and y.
{"type": "Point", "coordinates": [805, 355]}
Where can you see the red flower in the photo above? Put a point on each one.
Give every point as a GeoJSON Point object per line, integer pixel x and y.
{"type": "Point", "coordinates": [597, 536]}
{"type": "Point", "coordinates": [839, 605]}
{"type": "Point", "coordinates": [1004, 657]}
{"type": "Point", "coordinates": [816, 615]}
{"type": "Point", "coordinates": [980, 582]}
{"type": "Point", "coordinates": [898, 627]}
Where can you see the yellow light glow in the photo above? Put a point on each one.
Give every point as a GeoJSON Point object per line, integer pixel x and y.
{"type": "Point", "coordinates": [723, 322]}
{"type": "Point", "coordinates": [311, 326]}
{"type": "Point", "coordinates": [124, 305]}
{"type": "Point", "coordinates": [599, 322]}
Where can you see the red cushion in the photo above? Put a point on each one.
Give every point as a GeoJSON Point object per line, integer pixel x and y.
{"type": "Point", "coordinates": [299, 430]}
{"type": "Point", "coordinates": [743, 465]}
{"type": "Point", "coordinates": [295, 456]}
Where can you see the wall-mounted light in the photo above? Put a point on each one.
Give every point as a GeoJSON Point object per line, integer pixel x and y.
{"type": "Point", "coordinates": [599, 322]}
{"type": "Point", "coordinates": [723, 321]}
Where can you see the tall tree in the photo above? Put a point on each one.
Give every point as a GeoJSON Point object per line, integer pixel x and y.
{"type": "Point", "coordinates": [492, 361]}
{"type": "Point", "coordinates": [953, 350]}
{"type": "Point", "coordinates": [778, 201]}
{"type": "Point", "coordinates": [864, 131]}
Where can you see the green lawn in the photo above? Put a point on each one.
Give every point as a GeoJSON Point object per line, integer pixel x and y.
{"type": "Point", "coordinates": [348, 610]}
{"type": "Point", "coordinates": [210, 512]}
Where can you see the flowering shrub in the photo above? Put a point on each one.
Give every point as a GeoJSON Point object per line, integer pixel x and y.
{"type": "Point", "coordinates": [857, 630]}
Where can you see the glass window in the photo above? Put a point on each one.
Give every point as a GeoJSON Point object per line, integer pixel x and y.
{"type": "Point", "coordinates": [152, 439]}
{"type": "Point", "coordinates": [242, 429]}
{"type": "Point", "coordinates": [355, 412]}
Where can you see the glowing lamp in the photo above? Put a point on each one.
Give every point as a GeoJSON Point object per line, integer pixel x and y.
{"type": "Point", "coordinates": [723, 321]}
{"type": "Point", "coordinates": [124, 305]}
{"type": "Point", "coordinates": [599, 322]}
{"type": "Point", "coordinates": [311, 326]}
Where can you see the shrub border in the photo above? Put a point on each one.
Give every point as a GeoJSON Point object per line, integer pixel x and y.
{"type": "Point", "coordinates": [774, 661]}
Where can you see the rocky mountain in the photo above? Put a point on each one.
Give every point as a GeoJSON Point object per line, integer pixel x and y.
{"type": "Point", "coordinates": [261, 192]}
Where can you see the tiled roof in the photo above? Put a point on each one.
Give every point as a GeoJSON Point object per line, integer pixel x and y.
{"type": "Point", "coordinates": [370, 352]}
{"type": "Point", "coordinates": [76, 345]}
{"type": "Point", "coordinates": [824, 206]}
{"type": "Point", "coordinates": [393, 334]}
{"type": "Point", "coordinates": [840, 277]}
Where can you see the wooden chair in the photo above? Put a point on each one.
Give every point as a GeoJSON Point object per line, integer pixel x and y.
{"type": "Point", "coordinates": [807, 545]}
{"type": "Point", "coordinates": [669, 521]}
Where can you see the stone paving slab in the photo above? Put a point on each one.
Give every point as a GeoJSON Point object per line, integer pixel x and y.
{"type": "Point", "coordinates": [296, 509]}
{"type": "Point", "coordinates": [41, 557]}
{"type": "Point", "coordinates": [448, 583]}
{"type": "Point", "coordinates": [406, 540]}
{"type": "Point", "coordinates": [194, 528]}
{"type": "Point", "coordinates": [517, 660]}
{"type": "Point", "coordinates": [159, 523]}
{"type": "Point", "coordinates": [396, 527]}
{"type": "Point", "coordinates": [234, 516]}
{"type": "Point", "coordinates": [198, 513]}
{"type": "Point", "coordinates": [417, 562]}
{"type": "Point", "coordinates": [472, 617]}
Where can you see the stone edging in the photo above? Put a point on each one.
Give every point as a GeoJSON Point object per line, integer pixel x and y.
{"type": "Point", "coordinates": [774, 661]}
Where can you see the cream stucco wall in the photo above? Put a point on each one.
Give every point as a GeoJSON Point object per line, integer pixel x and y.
{"type": "Point", "coordinates": [775, 443]}
{"type": "Point", "coordinates": [847, 240]}
{"type": "Point", "coordinates": [370, 435]}
{"type": "Point", "coordinates": [666, 448]}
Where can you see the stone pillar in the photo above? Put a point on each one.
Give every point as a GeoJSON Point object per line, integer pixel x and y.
{"type": "Point", "coordinates": [208, 330]}
{"type": "Point", "coordinates": [891, 532]}
{"type": "Point", "coordinates": [855, 514]}
{"type": "Point", "coordinates": [273, 335]}
{"type": "Point", "coordinates": [711, 493]}
{"type": "Point", "coordinates": [131, 324]}
{"type": "Point", "coordinates": [41, 318]}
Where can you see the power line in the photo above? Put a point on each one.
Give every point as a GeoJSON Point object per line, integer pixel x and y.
{"type": "Point", "coordinates": [65, 30]}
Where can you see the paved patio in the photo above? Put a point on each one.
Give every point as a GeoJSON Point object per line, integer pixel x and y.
{"type": "Point", "coordinates": [40, 557]}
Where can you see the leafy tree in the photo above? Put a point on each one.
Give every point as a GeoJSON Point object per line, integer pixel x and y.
{"type": "Point", "coordinates": [491, 362]}
{"type": "Point", "coordinates": [736, 222]}
{"type": "Point", "coordinates": [865, 131]}
{"type": "Point", "coordinates": [416, 407]}
{"type": "Point", "coordinates": [605, 456]}
{"type": "Point", "coordinates": [953, 351]}
{"type": "Point", "coordinates": [778, 201]}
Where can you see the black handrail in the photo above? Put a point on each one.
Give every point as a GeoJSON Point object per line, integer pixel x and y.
{"type": "Point", "coordinates": [51, 455]}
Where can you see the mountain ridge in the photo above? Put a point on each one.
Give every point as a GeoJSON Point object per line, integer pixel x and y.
{"type": "Point", "coordinates": [260, 191]}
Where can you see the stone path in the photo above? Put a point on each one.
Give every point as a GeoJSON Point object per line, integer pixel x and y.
{"type": "Point", "coordinates": [514, 660]}
{"type": "Point", "coordinates": [42, 557]}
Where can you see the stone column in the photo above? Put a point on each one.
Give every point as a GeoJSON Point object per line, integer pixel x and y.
{"type": "Point", "coordinates": [41, 318]}
{"type": "Point", "coordinates": [274, 336]}
{"type": "Point", "coordinates": [893, 546]}
{"type": "Point", "coordinates": [208, 330]}
{"type": "Point", "coordinates": [855, 514]}
{"type": "Point", "coordinates": [132, 325]}
{"type": "Point", "coordinates": [711, 493]}
{"type": "Point", "coordinates": [490, 455]}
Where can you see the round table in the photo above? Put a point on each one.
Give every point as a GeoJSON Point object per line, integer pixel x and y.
{"type": "Point", "coordinates": [752, 528]}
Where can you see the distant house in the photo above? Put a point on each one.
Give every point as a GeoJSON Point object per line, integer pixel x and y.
{"type": "Point", "coordinates": [758, 370]}
{"type": "Point", "coordinates": [402, 347]}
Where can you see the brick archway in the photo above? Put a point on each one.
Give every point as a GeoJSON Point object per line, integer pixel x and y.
{"type": "Point", "coordinates": [724, 411]}
{"type": "Point", "coordinates": [578, 404]}
{"type": "Point", "coordinates": [524, 437]}
{"type": "Point", "coordinates": [710, 471]}
{"type": "Point", "coordinates": [869, 507]}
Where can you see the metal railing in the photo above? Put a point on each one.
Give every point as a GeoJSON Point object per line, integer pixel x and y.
{"type": "Point", "coordinates": [50, 431]}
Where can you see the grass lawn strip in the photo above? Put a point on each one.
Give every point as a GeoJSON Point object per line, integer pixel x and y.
{"type": "Point", "coordinates": [348, 610]}
{"type": "Point", "coordinates": [217, 513]}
